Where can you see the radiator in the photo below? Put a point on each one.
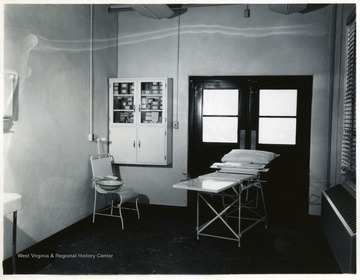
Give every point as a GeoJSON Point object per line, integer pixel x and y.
{"type": "Point", "coordinates": [338, 219]}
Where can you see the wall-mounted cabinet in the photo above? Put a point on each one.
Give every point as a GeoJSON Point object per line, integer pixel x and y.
{"type": "Point", "coordinates": [140, 120]}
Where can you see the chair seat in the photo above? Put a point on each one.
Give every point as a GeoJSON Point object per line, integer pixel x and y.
{"type": "Point", "coordinates": [127, 194]}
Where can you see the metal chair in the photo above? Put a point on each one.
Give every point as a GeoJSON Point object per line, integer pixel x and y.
{"type": "Point", "coordinates": [104, 182]}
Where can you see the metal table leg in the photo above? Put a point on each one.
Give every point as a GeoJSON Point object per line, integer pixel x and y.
{"type": "Point", "coordinates": [14, 242]}
{"type": "Point", "coordinates": [218, 215]}
{"type": "Point", "coordinates": [197, 215]}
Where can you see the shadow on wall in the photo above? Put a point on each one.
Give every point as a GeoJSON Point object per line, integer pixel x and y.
{"type": "Point", "coordinates": [143, 199]}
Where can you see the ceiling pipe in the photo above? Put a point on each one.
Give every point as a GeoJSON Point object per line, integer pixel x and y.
{"type": "Point", "coordinates": [278, 8]}
{"type": "Point", "coordinates": [115, 8]}
{"type": "Point", "coordinates": [287, 8]}
{"type": "Point", "coordinates": [153, 11]}
{"type": "Point", "coordinates": [91, 76]}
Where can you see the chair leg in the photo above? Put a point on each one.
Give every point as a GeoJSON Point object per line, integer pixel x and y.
{"type": "Point", "coordinates": [121, 218]}
{"type": "Point", "coordinates": [137, 208]}
{"type": "Point", "coordinates": [112, 207]}
{"type": "Point", "coordinates": [94, 207]}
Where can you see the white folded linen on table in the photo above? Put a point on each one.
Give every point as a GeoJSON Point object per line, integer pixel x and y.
{"type": "Point", "coordinates": [249, 156]}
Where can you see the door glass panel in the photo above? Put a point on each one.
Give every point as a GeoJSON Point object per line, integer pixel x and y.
{"type": "Point", "coordinates": [278, 102]}
{"type": "Point", "coordinates": [220, 102]}
{"type": "Point", "coordinates": [277, 116]}
{"type": "Point", "coordinates": [277, 131]}
{"type": "Point", "coordinates": [220, 129]}
{"type": "Point", "coordinates": [220, 115]}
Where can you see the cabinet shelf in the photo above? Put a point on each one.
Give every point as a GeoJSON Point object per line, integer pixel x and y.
{"type": "Point", "coordinates": [151, 95]}
{"type": "Point", "coordinates": [123, 95]}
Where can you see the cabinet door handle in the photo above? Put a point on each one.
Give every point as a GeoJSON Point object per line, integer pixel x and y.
{"type": "Point", "coordinates": [139, 144]}
{"type": "Point", "coordinates": [134, 143]}
{"type": "Point", "coordinates": [139, 108]}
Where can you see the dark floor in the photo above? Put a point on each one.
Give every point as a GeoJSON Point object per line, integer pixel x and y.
{"type": "Point", "coordinates": [164, 241]}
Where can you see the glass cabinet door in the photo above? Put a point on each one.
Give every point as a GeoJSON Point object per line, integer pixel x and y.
{"type": "Point", "coordinates": [151, 107]}
{"type": "Point", "coordinates": [123, 102]}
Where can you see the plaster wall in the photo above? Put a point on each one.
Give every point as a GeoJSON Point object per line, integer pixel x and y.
{"type": "Point", "coordinates": [220, 41]}
{"type": "Point", "coordinates": [46, 153]}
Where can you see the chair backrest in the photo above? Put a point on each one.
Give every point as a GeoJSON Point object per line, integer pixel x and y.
{"type": "Point", "coordinates": [101, 165]}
